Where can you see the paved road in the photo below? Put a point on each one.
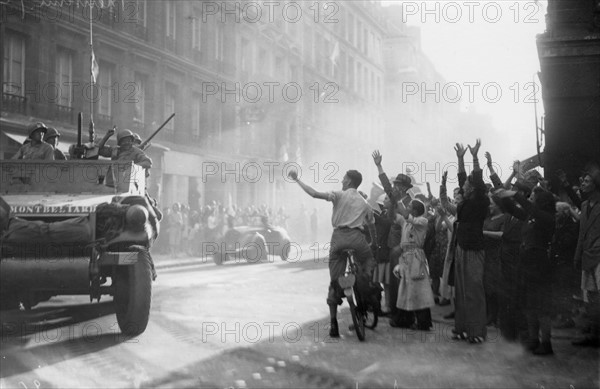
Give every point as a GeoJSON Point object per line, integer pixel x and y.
{"type": "Point", "coordinates": [260, 325]}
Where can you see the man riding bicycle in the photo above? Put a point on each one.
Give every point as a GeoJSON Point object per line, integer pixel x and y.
{"type": "Point", "coordinates": [350, 213]}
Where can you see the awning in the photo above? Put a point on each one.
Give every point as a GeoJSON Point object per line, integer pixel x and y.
{"type": "Point", "coordinates": [21, 138]}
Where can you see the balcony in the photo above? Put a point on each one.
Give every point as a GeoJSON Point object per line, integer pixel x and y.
{"type": "Point", "coordinates": [14, 103]}
{"type": "Point", "coordinates": [64, 113]}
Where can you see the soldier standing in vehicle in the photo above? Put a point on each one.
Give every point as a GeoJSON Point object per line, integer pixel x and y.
{"type": "Point", "coordinates": [51, 138]}
{"type": "Point", "coordinates": [37, 148]}
{"type": "Point", "coordinates": [125, 151]}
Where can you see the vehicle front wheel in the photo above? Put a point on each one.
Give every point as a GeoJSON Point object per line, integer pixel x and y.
{"type": "Point", "coordinates": [285, 251]}
{"type": "Point", "coordinates": [133, 295]}
{"type": "Point", "coordinates": [219, 258]}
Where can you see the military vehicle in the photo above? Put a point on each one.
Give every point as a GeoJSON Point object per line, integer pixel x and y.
{"type": "Point", "coordinates": [77, 227]}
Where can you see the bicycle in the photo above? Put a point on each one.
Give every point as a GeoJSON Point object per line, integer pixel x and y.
{"type": "Point", "coordinates": [363, 308]}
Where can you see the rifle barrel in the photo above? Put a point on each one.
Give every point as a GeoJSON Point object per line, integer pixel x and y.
{"type": "Point", "coordinates": [156, 132]}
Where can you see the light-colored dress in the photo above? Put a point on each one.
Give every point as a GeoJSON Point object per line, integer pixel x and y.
{"type": "Point", "coordinates": [414, 291]}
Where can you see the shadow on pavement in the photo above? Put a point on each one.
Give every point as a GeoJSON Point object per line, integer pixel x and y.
{"type": "Point", "coordinates": [65, 347]}
{"type": "Point", "coordinates": [17, 323]}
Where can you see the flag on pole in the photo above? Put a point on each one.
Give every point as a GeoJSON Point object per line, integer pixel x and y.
{"type": "Point", "coordinates": [95, 69]}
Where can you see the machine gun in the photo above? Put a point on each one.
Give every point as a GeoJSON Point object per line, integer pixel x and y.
{"type": "Point", "coordinates": [84, 150]}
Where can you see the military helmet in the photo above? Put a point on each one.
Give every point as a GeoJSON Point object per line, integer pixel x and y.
{"type": "Point", "coordinates": [52, 132]}
{"type": "Point", "coordinates": [37, 126]}
{"type": "Point", "coordinates": [124, 134]}
{"type": "Point", "coordinates": [137, 139]}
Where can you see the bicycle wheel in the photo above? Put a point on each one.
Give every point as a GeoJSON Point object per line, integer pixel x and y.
{"type": "Point", "coordinates": [371, 318]}
{"type": "Point", "coordinates": [357, 319]}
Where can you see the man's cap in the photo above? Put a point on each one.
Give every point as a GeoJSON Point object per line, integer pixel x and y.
{"type": "Point", "coordinates": [381, 199]}
{"type": "Point", "coordinates": [39, 126]}
{"type": "Point", "coordinates": [124, 134]}
{"type": "Point", "coordinates": [403, 179]}
{"type": "Point", "coordinates": [51, 133]}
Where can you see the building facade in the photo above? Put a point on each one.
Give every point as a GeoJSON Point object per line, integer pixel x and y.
{"type": "Point", "coordinates": [570, 75]}
{"type": "Point", "coordinates": [255, 89]}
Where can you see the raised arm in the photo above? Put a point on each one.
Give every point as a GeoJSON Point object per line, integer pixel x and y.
{"type": "Point", "coordinates": [444, 196]}
{"type": "Point", "coordinates": [385, 182]}
{"type": "Point", "coordinates": [493, 175]}
{"type": "Point", "coordinates": [516, 172]}
{"type": "Point", "coordinates": [460, 154]}
{"type": "Point", "coordinates": [106, 137]}
{"type": "Point", "coordinates": [308, 189]}
{"type": "Point", "coordinates": [474, 150]}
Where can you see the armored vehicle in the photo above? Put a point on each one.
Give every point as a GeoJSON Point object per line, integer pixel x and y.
{"type": "Point", "coordinates": [77, 227]}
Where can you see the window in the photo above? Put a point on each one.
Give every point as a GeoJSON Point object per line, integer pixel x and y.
{"type": "Point", "coordinates": [219, 38]}
{"type": "Point", "coordinates": [64, 77]}
{"type": "Point", "coordinates": [197, 33]}
{"type": "Point", "coordinates": [170, 95]}
{"type": "Point", "coordinates": [359, 41]}
{"type": "Point", "coordinates": [14, 65]}
{"type": "Point", "coordinates": [171, 11]}
{"type": "Point", "coordinates": [350, 28]}
{"type": "Point", "coordinates": [140, 97]}
{"type": "Point", "coordinates": [196, 107]}
{"type": "Point", "coordinates": [359, 79]}
{"type": "Point", "coordinates": [351, 83]}
{"type": "Point", "coordinates": [263, 63]}
{"type": "Point", "coordinates": [308, 45]}
{"type": "Point", "coordinates": [294, 73]}
{"type": "Point", "coordinates": [246, 56]}
{"type": "Point", "coordinates": [141, 12]}
{"type": "Point", "coordinates": [105, 89]}
{"type": "Point", "coordinates": [279, 69]}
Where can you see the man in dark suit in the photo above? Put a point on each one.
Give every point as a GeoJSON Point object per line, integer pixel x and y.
{"type": "Point", "coordinates": [587, 254]}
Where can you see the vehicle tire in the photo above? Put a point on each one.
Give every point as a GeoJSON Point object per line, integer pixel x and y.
{"type": "Point", "coordinates": [133, 295]}
{"type": "Point", "coordinates": [219, 258]}
{"type": "Point", "coordinates": [285, 251]}
{"type": "Point", "coordinates": [357, 319]}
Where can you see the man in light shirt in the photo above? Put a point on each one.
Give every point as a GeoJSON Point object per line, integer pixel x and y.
{"type": "Point", "coordinates": [350, 212]}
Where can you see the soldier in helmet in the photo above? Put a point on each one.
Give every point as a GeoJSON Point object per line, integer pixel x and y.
{"type": "Point", "coordinates": [37, 148]}
{"type": "Point", "coordinates": [137, 140]}
{"type": "Point", "coordinates": [51, 138]}
{"type": "Point", "coordinates": [125, 151]}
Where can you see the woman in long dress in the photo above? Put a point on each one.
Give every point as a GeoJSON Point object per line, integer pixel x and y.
{"type": "Point", "coordinates": [415, 296]}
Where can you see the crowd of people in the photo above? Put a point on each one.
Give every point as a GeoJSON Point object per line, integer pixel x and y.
{"type": "Point", "coordinates": [513, 254]}
{"type": "Point", "coordinates": [184, 230]}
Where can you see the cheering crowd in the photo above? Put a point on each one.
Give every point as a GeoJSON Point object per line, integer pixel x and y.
{"type": "Point", "coordinates": [184, 229]}
{"type": "Point", "coordinates": [509, 254]}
